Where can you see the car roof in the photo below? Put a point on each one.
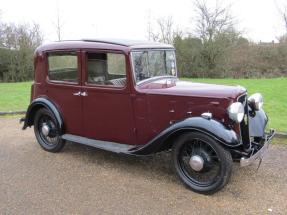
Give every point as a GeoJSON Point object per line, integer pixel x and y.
{"type": "Point", "coordinates": [113, 44]}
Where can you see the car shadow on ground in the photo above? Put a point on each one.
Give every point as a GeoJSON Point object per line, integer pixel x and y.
{"type": "Point", "coordinates": [159, 163]}
{"type": "Point", "coordinates": [158, 166]}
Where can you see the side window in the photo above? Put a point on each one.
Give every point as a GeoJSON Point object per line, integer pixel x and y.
{"type": "Point", "coordinates": [63, 67]}
{"type": "Point", "coordinates": [106, 69]}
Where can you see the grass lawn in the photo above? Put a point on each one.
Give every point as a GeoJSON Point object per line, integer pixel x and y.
{"type": "Point", "coordinates": [16, 96]}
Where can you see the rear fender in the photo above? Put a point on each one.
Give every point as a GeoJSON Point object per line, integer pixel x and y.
{"type": "Point", "coordinates": [38, 103]}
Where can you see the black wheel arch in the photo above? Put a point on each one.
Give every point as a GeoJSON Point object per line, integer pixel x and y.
{"type": "Point", "coordinates": [211, 127]}
{"type": "Point", "coordinates": [42, 102]}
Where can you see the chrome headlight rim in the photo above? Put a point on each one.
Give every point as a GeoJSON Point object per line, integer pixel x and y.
{"type": "Point", "coordinates": [256, 100]}
{"type": "Point", "coordinates": [236, 112]}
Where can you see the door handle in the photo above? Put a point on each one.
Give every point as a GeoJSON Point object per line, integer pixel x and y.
{"type": "Point", "coordinates": [77, 93]}
{"type": "Point", "coordinates": [84, 94]}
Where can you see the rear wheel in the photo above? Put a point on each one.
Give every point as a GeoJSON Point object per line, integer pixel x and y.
{"type": "Point", "coordinates": [201, 162]}
{"type": "Point", "coordinates": [47, 131]}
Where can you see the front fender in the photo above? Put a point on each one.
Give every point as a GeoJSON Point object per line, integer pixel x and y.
{"type": "Point", "coordinates": [211, 127]}
{"type": "Point", "coordinates": [38, 103]}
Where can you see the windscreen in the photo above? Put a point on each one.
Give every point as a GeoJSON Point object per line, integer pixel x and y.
{"type": "Point", "coordinates": [153, 63]}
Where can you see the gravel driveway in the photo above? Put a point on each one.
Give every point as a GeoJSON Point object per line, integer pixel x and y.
{"type": "Point", "coordinates": [83, 180]}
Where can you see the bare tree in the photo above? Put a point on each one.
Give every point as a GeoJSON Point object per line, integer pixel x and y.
{"type": "Point", "coordinates": [284, 16]}
{"type": "Point", "coordinates": [1, 30]}
{"type": "Point", "coordinates": [23, 36]}
{"type": "Point", "coordinates": [149, 27]}
{"type": "Point", "coordinates": [165, 33]}
{"type": "Point", "coordinates": [215, 28]}
{"type": "Point", "coordinates": [211, 21]}
{"type": "Point", "coordinates": [282, 9]}
{"type": "Point", "coordinates": [58, 24]}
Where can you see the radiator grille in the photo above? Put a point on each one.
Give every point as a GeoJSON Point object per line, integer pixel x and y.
{"type": "Point", "coordinates": [244, 125]}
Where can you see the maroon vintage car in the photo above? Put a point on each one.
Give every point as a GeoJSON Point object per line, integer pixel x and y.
{"type": "Point", "coordinates": [125, 97]}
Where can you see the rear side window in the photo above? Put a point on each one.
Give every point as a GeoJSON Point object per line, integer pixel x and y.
{"type": "Point", "coordinates": [107, 69]}
{"type": "Point", "coordinates": [63, 67]}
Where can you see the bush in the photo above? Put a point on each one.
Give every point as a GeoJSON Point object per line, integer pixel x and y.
{"type": "Point", "coordinates": [230, 56]}
{"type": "Point", "coordinates": [17, 46]}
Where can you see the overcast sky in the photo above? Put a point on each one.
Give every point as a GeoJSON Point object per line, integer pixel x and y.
{"type": "Point", "coordinates": [128, 19]}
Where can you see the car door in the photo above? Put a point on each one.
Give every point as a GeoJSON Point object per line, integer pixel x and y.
{"type": "Point", "coordinates": [107, 105]}
{"type": "Point", "coordinates": [64, 87]}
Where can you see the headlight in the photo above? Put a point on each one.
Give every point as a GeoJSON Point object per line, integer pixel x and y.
{"type": "Point", "coordinates": [236, 112]}
{"type": "Point", "coordinates": [257, 100]}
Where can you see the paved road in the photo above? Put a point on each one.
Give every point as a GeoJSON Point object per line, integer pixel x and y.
{"type": "Point", "coordinates": [83, 180]}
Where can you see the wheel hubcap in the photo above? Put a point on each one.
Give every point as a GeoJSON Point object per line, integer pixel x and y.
{"type": "Point", "coordinates": [196, 162]}
{"type": "Point", "coordinates": [45, 130]}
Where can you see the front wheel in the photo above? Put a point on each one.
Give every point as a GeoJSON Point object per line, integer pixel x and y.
{"type": "Point", "coordinates": [201, 162]}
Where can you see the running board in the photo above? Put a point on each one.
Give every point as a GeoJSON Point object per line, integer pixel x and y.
{"type": "Point", "coordinates": [105, 145]}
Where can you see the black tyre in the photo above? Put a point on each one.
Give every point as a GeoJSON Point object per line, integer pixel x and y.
{"type": "Point", "coordinates": [201, 162]}
{"type": "Point", "coordinates": [47, 131]}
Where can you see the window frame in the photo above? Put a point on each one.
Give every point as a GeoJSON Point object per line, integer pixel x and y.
{"type": "Point", "coordinates": [103, 86]}
{"type": "Point", "coordinates": [77, 54]}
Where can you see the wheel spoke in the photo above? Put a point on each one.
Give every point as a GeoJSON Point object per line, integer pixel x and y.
{"type": "Point", "coordinates": [211, 167]}
{"type": "Point", "coordinates": [193, 149]}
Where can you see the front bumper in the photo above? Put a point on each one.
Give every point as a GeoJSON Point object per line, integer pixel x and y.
{"type": "Point", "coordinates": [245, 161]}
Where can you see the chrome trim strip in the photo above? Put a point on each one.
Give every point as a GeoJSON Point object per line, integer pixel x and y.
{"type": "Point", "coordinates": [206, 115]}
